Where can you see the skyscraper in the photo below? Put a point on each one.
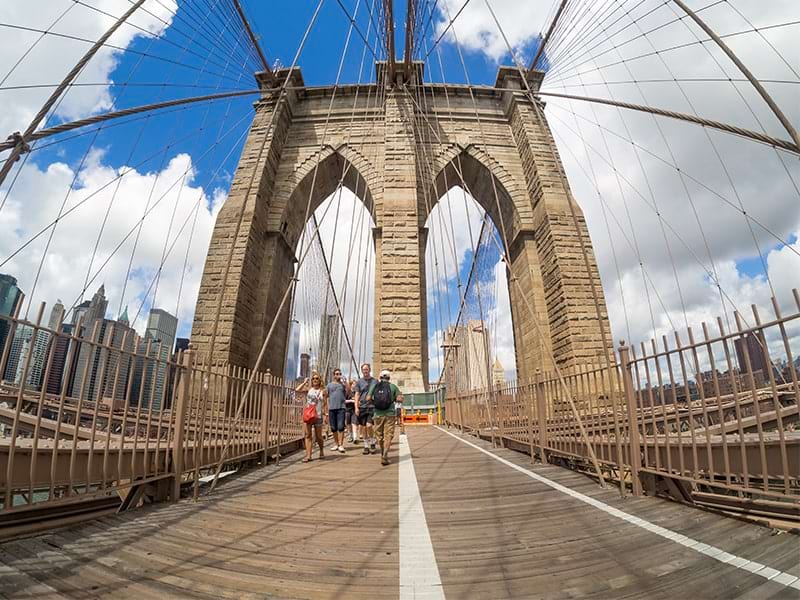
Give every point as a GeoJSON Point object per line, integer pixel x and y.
{"type": "Point", "coordinates": [56, 316]}
{"type": "Point", "coordinates": [24, 343]}
{"type": "Point", "coordinates": [751, 354]}
{"type": "Point", "coordinates": [305, 365]}
{"type": "Point", "coordinates": [91, 312]}
{"type": "Point", "coordinates": [329, 350]}
{"type": "Point", "coordinates": [478, 359]}
{"type": "Point", "coordinates": [293, 351]}
{"type": "Point", "coordinates": [38, 346]}
{"type": "Point", "coordinates": [60, 350]}
{"type": "Point", "coordinates": [498, 373]}
{"type": "Point", "coordinates": [467, 366]}
{"type": "Point", "coordinates": [150, 371]}
{"type": "Point", "coordinates": [9, 298]}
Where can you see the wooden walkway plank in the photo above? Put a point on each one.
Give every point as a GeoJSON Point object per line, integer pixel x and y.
{"type": "Point", "coordinates": [330, 529]}
{"type": "Point", "coordinates": [498, 533]}
{"type": "Point", "coordinates": [297, 530]}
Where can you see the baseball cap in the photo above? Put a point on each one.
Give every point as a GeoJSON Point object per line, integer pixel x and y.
{"type": "Point", "coordinates": [385, 374]}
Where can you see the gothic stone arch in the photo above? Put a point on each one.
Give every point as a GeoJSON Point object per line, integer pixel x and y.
{"type": "Point", "coordinates": [380, 148]}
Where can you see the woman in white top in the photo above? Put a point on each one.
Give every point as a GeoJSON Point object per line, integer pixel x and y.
{"type": "Point", "coordinates": [316, 396]}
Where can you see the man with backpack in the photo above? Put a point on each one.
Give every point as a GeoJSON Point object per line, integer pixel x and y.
{"type": "Point", "coordinates": [382, 396]}
{"type": "Point", "coordinates": [364, 409]}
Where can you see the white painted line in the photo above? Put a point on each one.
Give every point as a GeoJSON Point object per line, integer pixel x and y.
{"type": "Point", "coordinates": [718, 554]}
{"type": "Point", "coordinates": [419, 574]}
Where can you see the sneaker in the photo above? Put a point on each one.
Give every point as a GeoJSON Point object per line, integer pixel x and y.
{"type": "Point", "coordinates": [366, 450]}
{"type": "Point", "coordinates": [341, 449]}
{"type": "Point", "coordinates": [384, 461]}
{"type": "Point", "coordinates": [334, 448]}
{"type": "Point", "coordinates": [372, 446]}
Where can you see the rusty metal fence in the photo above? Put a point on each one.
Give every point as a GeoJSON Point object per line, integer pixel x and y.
{"type": "Point", "coordinates": [701, 418]}
{"type": "Point", "coordinates": [90, 413]}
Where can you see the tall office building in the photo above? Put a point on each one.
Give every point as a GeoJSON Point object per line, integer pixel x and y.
{"type": "Point", "coordinates": [293, 351]}
{"type": "Point", "coordinates": [151, 373]}
{"type": "Point", "coordinates": [56, 316]}
{"type": "Point", "coordinates": [305, 365]}
{"type": "Point", "coordinates": [60, 350]}
{"type": "Point", "coordinates": [38, 346]}
{"type": "Point", "coordinates": [119, 336]}
{"type": "Point", "coordinates": [752, 346]}
{"type": "Point", "coordinates": [27, 341]}
{"type": "Point", "coordinates": [498, 373]}
{"type": "Point", "coordinates": [329, 347]}
{"type": "Point", "coordinates": [467, 366]}
{"type": "Point", "coordinates": [80, 311]}
{"type": "Point", "coordinates": [9, 298]}
{"type": "Point", "coordinates": [92, 360]}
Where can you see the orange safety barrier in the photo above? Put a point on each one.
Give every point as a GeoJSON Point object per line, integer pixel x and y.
{"type": "Point", "coordinates": [417, 418]}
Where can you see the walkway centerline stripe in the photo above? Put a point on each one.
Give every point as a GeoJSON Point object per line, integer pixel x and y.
{"type": "Point", "coordinates": [419, 573]}
{"type": "Point", "coordinates": [768, 573]}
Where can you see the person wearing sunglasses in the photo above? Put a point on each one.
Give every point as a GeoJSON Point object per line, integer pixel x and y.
{"type": "Point", "coordinates": [337, 392]}
{"type": "Point", "coordinates": [316, 399]}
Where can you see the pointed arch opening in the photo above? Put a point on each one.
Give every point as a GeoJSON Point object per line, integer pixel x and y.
{"type": "Point", "coordinates": [472, 339]}
{"type": "Point", "coordinates": [328, 220]}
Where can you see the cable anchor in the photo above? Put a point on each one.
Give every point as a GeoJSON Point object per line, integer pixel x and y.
{"type": "Point", "coordinates": [20, 146]}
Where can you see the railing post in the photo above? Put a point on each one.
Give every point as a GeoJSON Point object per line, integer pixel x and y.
{"type": "Point", "coordinates": [541, 408]}
{"type": "Point", "coordinates": [460, 412]}
{"type": "Point", "coordinates": [281, 413]}
{"type": "Point", "coordinates": [531, 415]}
{"type": "Point", "coordinates": [266, 403]}
{"type": "Point", "coordinates": [634, 444]}
{"type": "Point", "coordinates": [179, 406]}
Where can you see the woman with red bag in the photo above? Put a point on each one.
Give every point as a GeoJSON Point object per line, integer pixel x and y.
{"type": "Point", "coordinates": [315, 413]}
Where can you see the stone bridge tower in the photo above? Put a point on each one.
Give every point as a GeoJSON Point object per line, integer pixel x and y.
{"type": "Point", "coordinates": [400, 148]}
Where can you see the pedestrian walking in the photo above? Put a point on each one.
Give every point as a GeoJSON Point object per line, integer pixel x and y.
{"type": "Point", "coordinates": [337, 392]}
{"type": "Point", "coordinates": [350, 420]}
{"type": "Point", "coordinates": [314, 414]}
{"type": "Point", "coordinates": [364, 408]}
{"type": "Point", "coordinates": [382, 396]}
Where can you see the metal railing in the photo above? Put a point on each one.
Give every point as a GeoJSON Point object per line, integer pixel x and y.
{"type": "Point", "coordinates": [687, 416]}
{"type": "Point", "coordinates": [98, 409]}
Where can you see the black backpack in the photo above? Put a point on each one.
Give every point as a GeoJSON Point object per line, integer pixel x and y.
{"type": "Point", "coordinates": [382, 396]}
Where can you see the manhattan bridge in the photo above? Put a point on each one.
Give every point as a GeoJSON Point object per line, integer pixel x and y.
{"type": "Point", "coordinates": [567, 229]}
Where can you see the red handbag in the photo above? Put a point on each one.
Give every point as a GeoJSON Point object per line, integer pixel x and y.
{"type": "Point", "coordinates": [310, 414]}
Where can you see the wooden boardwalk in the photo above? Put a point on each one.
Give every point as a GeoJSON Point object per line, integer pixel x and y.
{"type": "Point", "coordinates": [329, 529]}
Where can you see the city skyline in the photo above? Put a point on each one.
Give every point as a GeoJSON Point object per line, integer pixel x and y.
{"type": "Point", "coordinates": [59, 355]}
{"type": "Point", "coordinates": [68, 316]}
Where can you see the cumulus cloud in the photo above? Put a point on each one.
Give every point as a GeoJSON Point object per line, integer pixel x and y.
{"type": "Point", "coordinates": [35, 202]}
{"type": "Point", "coordinates": [49, 59]}
{"type": "Point", "coordinates": [345, 234]}
{"type": "Point", "coordinates": [675, 199]}
{"type": "Point", "coordinates": [453, 229]}
{"type": "Point", "coordinates": [475, 28]}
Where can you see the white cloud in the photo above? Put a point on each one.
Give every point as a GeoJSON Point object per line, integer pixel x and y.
{"type": "Point", "coordinates": [476, 30]}
{"type": "Point", "coordinates": [35, 202]}
{"type": "Point", "coordinates": [635, 184]}
{"type": "Point", "coordinates": [53, 57]}
{"type": "Point", "coordinates": [346, 237]}
{"type": "Point", "coordinates": [453, 229]}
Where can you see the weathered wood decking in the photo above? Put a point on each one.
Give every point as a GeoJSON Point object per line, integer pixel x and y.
{"type": "Point", "coordinates": [329, 529]}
